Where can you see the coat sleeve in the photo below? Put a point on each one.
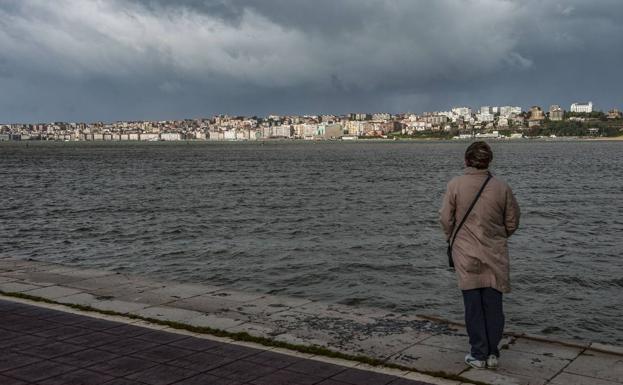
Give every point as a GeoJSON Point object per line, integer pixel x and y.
{"type": "Point", "coordinates": [511, 213]}
{"type": "Point", "coordinates": [446, 214]}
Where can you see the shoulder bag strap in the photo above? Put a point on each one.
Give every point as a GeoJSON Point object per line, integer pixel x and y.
{"type": "Point", "coordinates": [469, 210]}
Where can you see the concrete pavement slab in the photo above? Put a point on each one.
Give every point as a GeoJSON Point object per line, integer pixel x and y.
{"type": "Point", "coordinates": [603, 348]}
{"type": "Point", "coordinates": [500, 378]}
{"type": "Point", "coordinates": [543, 348]}
{"type": "Point", "coordinates": [319, 337]}
{"type": "Point", "coordinates": [119, 306]}
{"type": "Point", "coordinates": [334, 311]}
{"type": "Point", "coordinates": [598, 365]}
{"type": "Point", "coordinates": [530, 365]}
{"type": "Point", "coordinates": [253, 309]}
{"type": "Point", "coordinates": [83, 299]}
{"type": "Point", "coordinates": [121, 292]}
{"type": "Point", "coordinates": [5, 279]}
{"type": "Point", "coordinates": [146, 296]}
{"type": "Point", "coordinates": [384, 345]}
{"type": "Point", "coordinates": [53, 292]}
{"type": "Point", "coordinates": [206, 304]}
{"type": "Point", "coordinates": [458, 341]}
{"type": "Point", "coordinates": [298, 339]}
{"type": "Point", "coordinates": [36, 282]}
{"type": "Point", "coordinates": [236, 296]}
{"type": "Point", "coordinates": [98, 282]}
{"type": "Point", "coordinates": [17, 287]}
{"type": "Point", "coordinates": [254, 329]}
{"type": "Point", "coordinates": [167, 313]}
{"type": "Point", "coordinates": [415, 376]}
{"type": "Point", "coordinates": [430, 359]}
{"type": "Point", "coordinates": [273, 301]}
{"type": "Point", "coordinates": [184, 290]}
{"type": "Point", "coordinates": [214, 322]}
{"type": "Point", "coordinates": [575, 379]}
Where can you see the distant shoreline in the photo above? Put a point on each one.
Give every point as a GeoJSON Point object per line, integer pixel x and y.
{"type": "Point", "coordinates": [367, 140]}
{"type": "Point", "coordinates": [613, 138]}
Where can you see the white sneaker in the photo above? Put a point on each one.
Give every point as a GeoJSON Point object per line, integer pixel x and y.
{"type": "Point", "coordinates": [492, 362]}
{"type": "Point", "coordinates": [474, 363]}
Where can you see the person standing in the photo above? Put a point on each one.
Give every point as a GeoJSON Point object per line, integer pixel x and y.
{"type": "Point", "coordinates": [479, 249]}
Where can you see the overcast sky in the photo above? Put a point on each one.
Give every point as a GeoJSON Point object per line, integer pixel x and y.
{"type": "Point", "coordinates": [87, 60]}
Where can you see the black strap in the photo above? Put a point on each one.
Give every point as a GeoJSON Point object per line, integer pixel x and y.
{"type": "Point", "coordinates": [489, 176]}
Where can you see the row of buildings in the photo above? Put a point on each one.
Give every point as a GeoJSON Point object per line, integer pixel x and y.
{"type": "Point", "coordinates": [355, 125]}
{"type": "Point", "coordinates": [579, 112]}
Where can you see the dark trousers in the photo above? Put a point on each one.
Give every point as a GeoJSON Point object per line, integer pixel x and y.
{"type": "Point", "coordinates": [484, 318]}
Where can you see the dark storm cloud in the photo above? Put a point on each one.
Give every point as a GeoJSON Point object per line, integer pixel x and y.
{"type": "Point", "coordinates": [152, 59]}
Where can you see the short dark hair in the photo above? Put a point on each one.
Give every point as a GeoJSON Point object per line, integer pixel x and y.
{"type": "Point", "coordinates": [478, 155]}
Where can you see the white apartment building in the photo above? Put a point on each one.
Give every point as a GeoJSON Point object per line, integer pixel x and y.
{"type": "Point", "coordinates": [435, 120]}
{"type": "Point", "coordinates": [149, 137]}
{"type": "Point", "coordinates": [485, 117]}
{"type": "Point", "coordinates": [282, 131]}
{"type": "Point", "coordinates": [510, 110]}
{"type": "Point", "coordinates": [333, 131]}
{"type": "Point", "coordinates": [381, 116]}
{"type": "Point", "coordinates": [447, 114]}
{"type": "Point", "coordinates": [582, 107]}
{"type": "Point", "coordinates": [229, 135]}
{"type": "Point", "coordinates": [413, 118]}
{"type": "Point", "coordinates": [170, 136]}
{"type": "Point", "coordinates": [462, 111]}
{"type": "Point", "coordinates": [356, 128]}
{"type": "Point", "coordinates": [485, 110]}
{"type": "Point", "coordinates": [418, 126]}
{"type": "Point", "coordinates": [216, 135]}
{"type": "Point", "coordinates": [305, 130]}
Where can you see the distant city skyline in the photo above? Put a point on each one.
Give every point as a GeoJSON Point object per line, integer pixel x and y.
{"type": "Point", "coordinates": [88, 61]}
{"type": "Point", "coordinates": [491, 110]}
{"type": "Point", "coordinates": [459, 122]}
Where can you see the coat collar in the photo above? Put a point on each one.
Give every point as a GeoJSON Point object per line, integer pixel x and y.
{"type": "Point", "coordinates": [475, 171]}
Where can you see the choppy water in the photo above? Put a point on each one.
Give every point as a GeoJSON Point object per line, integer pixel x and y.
{"type": "Point", "coordinates": [354, 223]}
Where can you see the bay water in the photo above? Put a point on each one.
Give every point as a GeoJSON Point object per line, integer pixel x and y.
{"type": "Point", "coordinates": [352, 223]}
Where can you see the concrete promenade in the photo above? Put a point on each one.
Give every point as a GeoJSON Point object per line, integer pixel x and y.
{"type": "Point", "coordinates": [411, 344]}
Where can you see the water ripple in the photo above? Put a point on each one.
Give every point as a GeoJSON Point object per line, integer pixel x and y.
{"type": "Point", "coordinates": [341, 222]}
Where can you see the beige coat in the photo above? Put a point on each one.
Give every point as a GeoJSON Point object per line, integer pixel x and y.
{"type": "Point", "coordinates": [480, 252]}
